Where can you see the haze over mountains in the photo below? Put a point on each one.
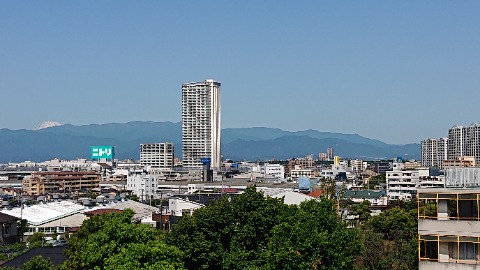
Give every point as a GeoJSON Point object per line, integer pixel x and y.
{"type": "Point", "coordinates": [71, 142]}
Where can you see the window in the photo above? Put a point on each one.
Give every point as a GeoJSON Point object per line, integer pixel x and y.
{"type": "Point", "coordinates": [463, 250]}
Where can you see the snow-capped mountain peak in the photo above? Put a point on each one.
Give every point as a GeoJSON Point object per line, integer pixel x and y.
{"type": "Point", "coordinates": [47, 124]}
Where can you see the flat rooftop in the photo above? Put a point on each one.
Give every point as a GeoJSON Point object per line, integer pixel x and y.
{"type": "Point", "coordinates": [469, 190]}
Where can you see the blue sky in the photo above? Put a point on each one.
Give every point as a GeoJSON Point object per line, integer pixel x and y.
{"type": "Point", "coordinates": [398, 71]}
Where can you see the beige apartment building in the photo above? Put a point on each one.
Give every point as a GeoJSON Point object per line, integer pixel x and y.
{"type": "Point", "coordinates": [460, 162]}
{"type": "Point", "coordinates": [53, 182]}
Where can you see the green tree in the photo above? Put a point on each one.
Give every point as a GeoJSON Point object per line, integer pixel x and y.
{"type": "Point", "coordinates": [390, 240]}
{"type": "Point", "coordinates": [376, 180]}
{"type": "Point", "coordinates": [112, 241]}
{"type": "Point", "coordinates": [362, 210]}
{"type": "Point", "coordinates": [313, 238]}
{"type": "Point", "coordinates": [229, 234]}
{"type": "Point", "coordinates": [396, 223]}
{"type": "Point", "coordinates": [36, 240]}
{"type": "Point", "coordinates": [328, 185]}
{"type": "Point", "coordinates": [38, 263]}
{"type": "Point", "coordinates": [22, 228]}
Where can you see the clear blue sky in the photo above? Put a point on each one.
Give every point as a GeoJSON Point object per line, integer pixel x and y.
{"type": "Point", "coordinates": [398, 71]}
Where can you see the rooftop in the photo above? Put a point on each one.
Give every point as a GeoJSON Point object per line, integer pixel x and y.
{"type": "Point", "coordinates": [42, 213]}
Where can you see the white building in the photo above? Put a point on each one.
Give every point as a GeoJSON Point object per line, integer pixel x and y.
{"type": "Point", "coordinates": [357, 165]}
{"type": "Point", "coordinates": [201, 123]}
{"type": "Point", "coordinates": [456, 142]}
{"type": "Point", "coordinates": [434, 152]}
{"type": "Point", "coordinates": [275, 170]}
{"type": "Point", "coordinates": [333, 171]}
{"type": "Point", "coordinates": [298, 172]}
{"type": "Point", "coordinates": [464, 141]}
{"type": "Point", "coordinates": [179, 207]}
{"type": "Point", "coordinates": [401, 184]}
{"type": "Point", "coordinates": [472, 146]}
{"type": "Point", "coordinates": [157, 155]}
{"type": "Point", "coordinates": [143, 185]}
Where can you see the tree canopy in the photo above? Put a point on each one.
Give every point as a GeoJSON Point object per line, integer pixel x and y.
{"type": "Point", "coordinates": [252, 231]}
{"type": "Point", "coordinates": [112, 241]}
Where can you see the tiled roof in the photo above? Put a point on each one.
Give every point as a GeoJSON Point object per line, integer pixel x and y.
{"type": "Point", "coordinates": [102, 211]}
{"type": "Point", "coordinates": [316, 193]}
{"type": "Point", "coordinates": [364, 194]}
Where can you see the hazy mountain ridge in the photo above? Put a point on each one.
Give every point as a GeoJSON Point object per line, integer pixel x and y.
{"type": "Point", "coordinates": [70, 142]}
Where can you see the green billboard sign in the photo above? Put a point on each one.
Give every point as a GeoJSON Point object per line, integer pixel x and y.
{"type": "Point", "coordinates": [98, 152]}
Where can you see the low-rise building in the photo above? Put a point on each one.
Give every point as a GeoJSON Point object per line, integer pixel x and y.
{"type": "Point", "coordinates": [401, 184]}
{"type": "Point", "coordinates": [8, 226]}
{"type": "Point", "coordinates": [53, 182]}
{"type": "Point", "coordinates": [460, 162]}
{"type": "Point", "coordinates": [275, 170]}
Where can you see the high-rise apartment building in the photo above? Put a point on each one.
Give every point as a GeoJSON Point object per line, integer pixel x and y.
{"type": "Point", "coordinates": [472, 147]}
{"type": "Point", "coordinates": [464, 141]}
{"type": "Point", "coordinates": [157, 155]}
{"type": "Point", "coordinates": [201, 123]}
{"type": "Point", "coordinates": [456, 142]}
{"type": "Point", "coordinates": [434, 152]}
{"type": "Point", "coordinates": [329, 153]}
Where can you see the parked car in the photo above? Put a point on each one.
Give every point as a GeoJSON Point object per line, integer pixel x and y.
{"type": "Point", "coordinates": [59, 243]}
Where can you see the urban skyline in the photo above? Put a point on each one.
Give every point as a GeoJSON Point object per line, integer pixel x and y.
{"type": "Point", "coordinates": [293, 66]}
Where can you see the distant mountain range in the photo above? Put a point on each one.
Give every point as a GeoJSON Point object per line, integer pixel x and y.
{"type": "Point", "coordinates": [71, 142]}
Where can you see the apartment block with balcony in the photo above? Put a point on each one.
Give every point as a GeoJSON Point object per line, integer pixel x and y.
{"type": "Point", "coordinates": [434, 151]}
{"type": "Point", "coordinates": [401, 184]}
{"type": "Point", "coordinates": [157, 155]}
{"type": "Point", "coordinates": [449, 228]}
{"type": "Point", "coordinates": [53, 182]}
{"type": "Point", "coordinates": [201, 131]}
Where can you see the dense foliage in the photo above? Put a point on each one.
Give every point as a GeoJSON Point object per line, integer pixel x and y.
{"type": "Point", "coordinates": [390, 241]}
{"type": "Point", "coordinates": [112, 241]}
{"type": "Point", "coordinates": [256, 232]}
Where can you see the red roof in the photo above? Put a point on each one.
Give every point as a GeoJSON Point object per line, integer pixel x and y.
{"type": "Point", "coordinates": [316, 193]}
{"type": "Point", "coordinates": [102, 211]}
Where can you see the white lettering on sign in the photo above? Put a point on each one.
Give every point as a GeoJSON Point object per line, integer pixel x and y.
{"type": "Point", "coordinates": [101, 152]}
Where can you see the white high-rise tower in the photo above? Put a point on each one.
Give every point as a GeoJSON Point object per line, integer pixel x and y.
{"type": "Point", "coordinates": [201, 123]}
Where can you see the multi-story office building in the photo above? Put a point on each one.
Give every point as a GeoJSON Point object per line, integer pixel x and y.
{"type": "Point", "coordinates": [434, 151]}
{"type": "Point", "coordinates": [53, 182]}
{"type": "Point", "coordinates": [157, 155]}
{"type": "Point", "coordinates": [381, 167]}
{"type": "Point", "coordinates": [275, 170]}
{"type": "Point", "coordinates": [201, 123]}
